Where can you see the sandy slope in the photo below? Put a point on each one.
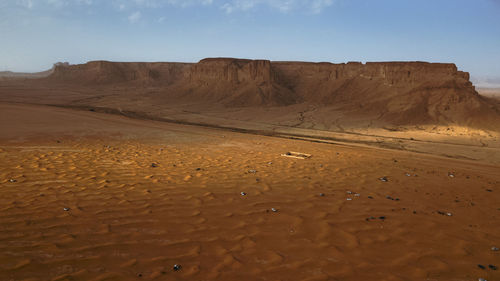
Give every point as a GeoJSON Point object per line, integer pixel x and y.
{"type": "Point", "coordinates": [127, 220]}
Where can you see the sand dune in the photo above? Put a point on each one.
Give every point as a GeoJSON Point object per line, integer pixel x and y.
{"type": "Point", "coordinates": [81, 200]}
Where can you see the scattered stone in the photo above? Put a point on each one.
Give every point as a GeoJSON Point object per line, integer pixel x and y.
{"type": "Point", "coordinates": [370, 197]}
{"type": "Point", "coordinates": [349, 192]}
{"type": "Point", "coordinates": [269, 163]}
{"type": "Point", "coordinates": [482, 279]}
{"type": "Point", "coordinates": [197, 169]}
{"type": "Point", "coordinates": [154, 165]}
{"type": "Point", "coordinates": [243, 193]}
{"type": "Point", "coordinates": [408, 175]}
{"type": "Point", "coordinates": [445, 213]}
{"type": "Point", "coordinates": [489, 190]}
{"type": "Point", "coordinates": [481, 266]}
{"type": "Point", "coordinates": [492, 267]}
{"type": "Point", "coordinates": [297, 155]}
{"type": "Point", "coordinates": [139, 274]}
{"type": "Point", "coordinates": [66, 209]}
{"type": "Point", "coordinates": [414, 212]}
{"type": "Point", "coordinates": [451, 175]}
{"type": "Point", "coordinates": [12, 180]}
{"type": "Point", "coordinates": [321, 194]}
{"type": "Point", "coordinates": [495, 249]}
{"type": "Point", "coordinates": [374, 218]}
{"type": "Point", "coordinates": [349, 199]}
{"type": "Point", "coordinates": [252, 171]}
{"type": "Point", "coordinates": [384, 179]}
{"type": "Point", "coordinates": [177, 267]}
{"type": "Point", "coordinates": [274, 210]}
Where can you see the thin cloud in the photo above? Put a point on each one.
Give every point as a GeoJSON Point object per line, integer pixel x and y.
{"type": "Point", "coordinates": [230, 6]}
{"type": "Point", "coordinates": [25, 3]}
{"type": "Point", "coordinates": [227, 6]}
{"type": "Point", "coordinates": [284, 6]}
{"type": "Point", "coordinates": [134, 17]}
{"type": "Point", "coordinates": [160, 3]}
{"type": "Point", "coordinates": [29, 4]}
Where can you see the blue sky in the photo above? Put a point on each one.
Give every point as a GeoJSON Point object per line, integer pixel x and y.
{"type": "Point", "coordinates": [34, 34]}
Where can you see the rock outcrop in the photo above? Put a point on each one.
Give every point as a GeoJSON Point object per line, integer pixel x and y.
{"type": "Point", "coordinates": [399, 93]}
{"type": "Point", "coordinates": [106, 73]}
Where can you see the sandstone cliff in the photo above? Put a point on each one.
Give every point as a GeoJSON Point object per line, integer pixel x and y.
{"type": "Point", "coordinates": [398, 93]}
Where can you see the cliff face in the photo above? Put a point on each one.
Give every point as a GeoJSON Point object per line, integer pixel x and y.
{"type": "Point", "coordinates": [234, 71]}
{"type": "Point", "coordinates": [104, 72]}
{"type": "Point", "coordinates": [237, 82]}
{"type": "Point", "coordinates": [401, 93]}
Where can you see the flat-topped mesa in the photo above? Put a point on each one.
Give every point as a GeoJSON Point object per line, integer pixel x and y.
{"type": "Point", "coordinates": [213, 71]}
{"type": "Point", "coordinates": [236, 83]}
{"type": "Point", "coordinates": [232, 70]}
{"type": "Point", "coordinates": [105, 72]}
{"type": "Point", "coordinates": [368, 94]}
{"type": "Point", "coordinates": [414, 72]}
{"type": "Point", "coordinates": [392, 73]}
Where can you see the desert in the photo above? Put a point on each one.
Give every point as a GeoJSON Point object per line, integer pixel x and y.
{"type": "Point", "coordinates": [249, 140]}
{"type": "Point", "coordinates": [232, 169]}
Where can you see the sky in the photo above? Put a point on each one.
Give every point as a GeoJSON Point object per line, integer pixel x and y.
{"type": "Point", "coordinates": [34, 34]}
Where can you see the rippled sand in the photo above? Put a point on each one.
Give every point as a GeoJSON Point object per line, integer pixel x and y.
{"type": "Point", "coordinates": [81, 200]}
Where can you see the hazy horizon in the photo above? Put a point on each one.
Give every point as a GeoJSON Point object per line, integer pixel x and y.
{"type": "Point", "coordinates": [39, 33]}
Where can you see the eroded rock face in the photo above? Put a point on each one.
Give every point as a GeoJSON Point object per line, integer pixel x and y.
{"type": "Point", "coordinates": [232, 70]}
{"type": "Point", "coordinates": [105, 72]}
{"type": "Point", "coordinates": [240, 71]}
{"type": "Point", "coordinates": [401, 93]}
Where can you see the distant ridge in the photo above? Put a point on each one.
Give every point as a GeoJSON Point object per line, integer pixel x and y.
{"type": "Point", "coordinates": [25, 75]}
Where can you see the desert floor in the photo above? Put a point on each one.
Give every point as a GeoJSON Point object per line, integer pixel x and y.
{"type": "Point", "coordinates": [93, 196]}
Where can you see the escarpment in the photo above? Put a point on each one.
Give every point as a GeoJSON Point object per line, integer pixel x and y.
{"type": "Point", "coordinates": [107, 73]}
{"type": "Point", "coordinates": [399, 93]}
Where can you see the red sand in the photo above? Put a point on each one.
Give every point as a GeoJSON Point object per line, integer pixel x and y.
{"type": "Point", "coordinates": [88, 195]}
{"type": "Point", "coordinates": [128, 220]}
